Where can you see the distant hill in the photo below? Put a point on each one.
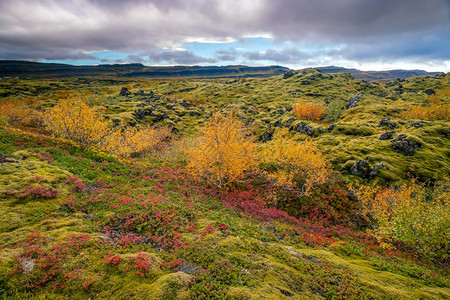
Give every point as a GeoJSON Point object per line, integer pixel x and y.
{"type": "Point", "coordinates": [27, 69]}
{"type": "Point", "coordinates": [377, 75]}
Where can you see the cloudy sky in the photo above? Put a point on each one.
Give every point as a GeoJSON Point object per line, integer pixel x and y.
{"type": "Point", "coordinates": [365, 34]}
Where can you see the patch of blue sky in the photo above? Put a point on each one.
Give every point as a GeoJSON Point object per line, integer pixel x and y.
{"type": "Point", "coordinates": [241, 45]}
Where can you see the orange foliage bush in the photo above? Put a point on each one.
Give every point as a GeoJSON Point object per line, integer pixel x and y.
{"type": "Point", "coordinates": [222, 153]}
{"type": "Point", "coordinates": [308, 111]}
{"type": "Point", "coordinates": [435, 111]}
{"type": "Point", "coordinates": [18, 112]}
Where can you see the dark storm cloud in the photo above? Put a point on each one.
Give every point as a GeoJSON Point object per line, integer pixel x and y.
{"type": "Point", "coordinates": [53, 29]}
{"type": "Point", "coordinates": [183, 57]}
{"type": "Point", "coordinates": [135, 58]}
{"type": "Point", "coordinates": [289, 55]}
{"type": "Point", "coordinates": [227, 54]}
{"type": "Point", "coordinates": [345, 20]}
{"type": "Point", "coordinates": [47, 54]}
{"type": "Point", "coordinates": [427, 45]}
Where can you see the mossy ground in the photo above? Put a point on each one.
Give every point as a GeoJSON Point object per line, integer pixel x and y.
{"type": "Point", "coordinates": [141, 228]}
{"type": "Point", "coordinates": [268, 101]}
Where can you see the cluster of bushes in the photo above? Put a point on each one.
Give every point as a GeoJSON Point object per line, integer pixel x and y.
{"type": "Point", "coordinates": [411, 214]}
{"type": "Point", "coordinates": [73, 119]}
{"type": "Point", "coordinates": [434, 110]}
{"type": "Point", "coordinates": [224, 154]}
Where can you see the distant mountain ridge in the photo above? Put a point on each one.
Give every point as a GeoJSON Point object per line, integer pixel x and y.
{"type": "Point", "coordinates": [26, 69]}
{"type": "Point", "coordinates": [377, 75]}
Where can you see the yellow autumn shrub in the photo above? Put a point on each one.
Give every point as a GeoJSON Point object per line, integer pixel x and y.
{"type": "Point", "coordinates": [133, 140]}
{"type": "Point", "coordinates": [290, 162]}
{"type": "Point", "coordinates": [409, 214]}
{"type": "Point", "coordinates": [73, 119]}
{"type": "Point", "coordinates": [222, 153]}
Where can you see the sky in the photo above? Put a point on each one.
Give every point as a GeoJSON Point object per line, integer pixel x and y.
{"type": "Point", "coordinates": [362, 34]}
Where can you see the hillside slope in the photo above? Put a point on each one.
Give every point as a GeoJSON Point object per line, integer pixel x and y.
{"type": "Point", "coordinates": [370, 140]}
{"type": "Point", "coordinates": [377, 75]}
{"type": "Point", "coordinates": [86, 224]}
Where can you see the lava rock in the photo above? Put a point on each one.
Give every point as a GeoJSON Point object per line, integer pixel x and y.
{"type": "Point", "coordinates": [289, 73]}
{"type": "Point", "coordinates": [353, 101]}
{"type": "Point", "coordinates": [267, 135]}
{"type": "Point", "coordinates": [387, 122]}
{"type": "Point", "coordinates": [399, 89]}
{"type": "Point", "coordinates": [249, 121]}
{"type": "Point", "coordinates": [124, 92]}
{"type": "Point", "coordinates": [289, 122]}
{"type": "Point", "coordinates": [404, 146]}
{"type": "Point", "coordinates": [7, 158]}
{"type": "Point", "coordinates": [387, 135]}
{"type": "Point", "coordinates": [185, 103]}
{"type": "Point", "coordinates": [362, 169]}
{"type": "Point", "coordinates": [304, 128]}
{"type": "Point", "coordinates": [194, 113]}
{"type": "Point", "coordinates": [330, 128]}
{"type": "Point", "coordinates": [417, 125]}
{"type": "Point", "coordinates": [139, 114]}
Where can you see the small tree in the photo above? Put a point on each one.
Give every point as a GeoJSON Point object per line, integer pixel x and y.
{"type": "Point", "coordinates": [222, 153]}
{"type": "Point", "coordinates": [290, 163]}
{"type": "Point", "coordinates": [334, 110]}
{"type": "Point", "coordinates": [73, 119]}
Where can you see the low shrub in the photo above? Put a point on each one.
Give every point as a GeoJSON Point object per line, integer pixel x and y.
{"type": "Point", "coordinates": [410, 214]}
{"type": "Point", "coordinates": [308, 111]}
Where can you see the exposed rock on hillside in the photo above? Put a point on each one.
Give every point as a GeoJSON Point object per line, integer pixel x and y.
{"type": "Point", "coordinates": [304, 128]}
{"type": "Point", "coordinates": [387, 122]}
{"type": "Point", "coordinates": [353, 101]}
{"type": "Point", "coordinates": [387, 135]}
{"type": "Point", "coordinates": [407, 147]}
{"type": "Point", "coordinates": [267, 135]}
{"type": "Point", "coordinates": [362, 169]}
{"type": "Point", "coordinates": [124, 92]}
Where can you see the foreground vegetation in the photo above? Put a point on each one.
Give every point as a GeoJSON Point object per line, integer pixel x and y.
{"type": "Point", "coordinates": [184, 215]}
